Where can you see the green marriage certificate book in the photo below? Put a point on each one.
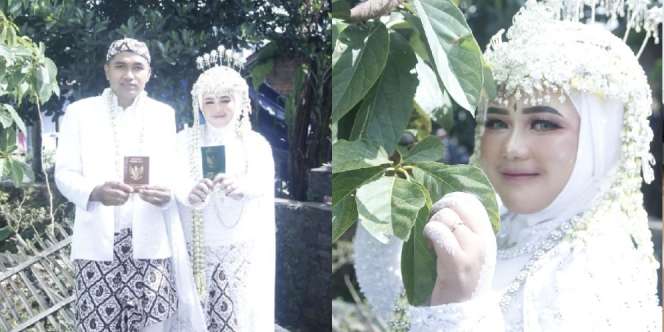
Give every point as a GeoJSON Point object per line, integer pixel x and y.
{"type": "Point", "coordinates": [214, 160]}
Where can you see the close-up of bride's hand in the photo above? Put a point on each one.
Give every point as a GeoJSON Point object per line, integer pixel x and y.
{"type": "Point", "coordinates": [200, 191]}
{"type": "Point", "coordinates": [461, 234]}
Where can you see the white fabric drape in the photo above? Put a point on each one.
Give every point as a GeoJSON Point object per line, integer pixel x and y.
{"type": "Point", "coordinates": [247, 223]}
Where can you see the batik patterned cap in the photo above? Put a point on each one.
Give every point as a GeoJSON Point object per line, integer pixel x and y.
{"type": "Point", "coordinates": [128, 45]}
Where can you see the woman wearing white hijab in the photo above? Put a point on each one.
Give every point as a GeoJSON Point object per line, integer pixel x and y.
{"type": "Point", "coordinates": [564, 145]}
{"type": "Point", "coordinates": [228, 220]}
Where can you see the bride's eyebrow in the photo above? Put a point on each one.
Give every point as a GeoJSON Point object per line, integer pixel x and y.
{"type": "Point", "coordinates": [541, 109]}
{"type": "Point", "coordinates": [497, 110]}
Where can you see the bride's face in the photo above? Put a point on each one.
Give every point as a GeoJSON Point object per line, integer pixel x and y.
{"type": "Point", "coordinates": [218, 110]}
{"type": "Point", "coordinates": [528, 152]}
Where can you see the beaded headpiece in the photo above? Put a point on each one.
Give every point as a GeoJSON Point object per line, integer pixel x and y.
{"type": "Point", "coordinates": [128, 45]}
{"type": "Point", "coordinates": [222, 78]}
{"type": "Point", "coordinates": [549, 49]}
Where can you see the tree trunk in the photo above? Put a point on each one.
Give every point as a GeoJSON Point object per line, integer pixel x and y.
{"type": "Point", "coordinates": [37, 167]}
{"type": "Point", "coordinates": [298, 164]}
{"type": "Point", "coordinates": [325, 137]}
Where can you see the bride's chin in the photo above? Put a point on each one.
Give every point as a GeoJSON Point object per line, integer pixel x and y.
{"type": "Point", "coordinates": [522, 205]}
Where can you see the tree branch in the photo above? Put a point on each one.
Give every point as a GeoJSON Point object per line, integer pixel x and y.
{"type": "Point", "coordinates": [372, 9]}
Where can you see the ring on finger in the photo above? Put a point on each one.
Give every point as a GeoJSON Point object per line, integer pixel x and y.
{"type": "Point", "coordinates": [455, 226]}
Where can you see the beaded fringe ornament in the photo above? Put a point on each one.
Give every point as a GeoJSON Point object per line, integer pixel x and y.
{"type": "Point", "coordinates": [218, 62]}
{"type": "Point", "coordinates": [588, 59]}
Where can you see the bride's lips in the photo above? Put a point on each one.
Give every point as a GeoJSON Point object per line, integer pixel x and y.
{"type": "Point", "coordinates": [518, 176]}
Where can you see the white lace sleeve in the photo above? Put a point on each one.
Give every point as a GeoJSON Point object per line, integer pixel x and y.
{"type": "Point", "coordinates": [378, 270]}
{"type": "Point", "coordinates": [602, 283]}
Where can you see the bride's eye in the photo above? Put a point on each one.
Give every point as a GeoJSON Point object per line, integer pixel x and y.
{"type": "Point", "coordinates": [495, 124]}
{"type": "Point", "coordinates": [544, 125]}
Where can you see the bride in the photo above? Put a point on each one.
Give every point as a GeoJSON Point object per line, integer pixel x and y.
{"type": "Point", "coordinates": [565, 144]}
{"type": "Point", "coordinates": [228, 217]}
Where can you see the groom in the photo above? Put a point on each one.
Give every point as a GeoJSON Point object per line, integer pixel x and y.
{"type": "Point", "coordinates": [120, 245]}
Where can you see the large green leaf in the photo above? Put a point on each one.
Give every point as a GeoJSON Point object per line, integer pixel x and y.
{"type": "Point", "coordinates": [385, 111]}
{"type": "Point", "coordinates": [343, 184]}
{"type": "Point", "coordinates": [455, 52]}
{"type": "Point", "coordinates": [359, 63]}
{"type": "Point", "coordinates": [418, 261]}
{"type": "Point", "coordinates": [429, 149]}
{"type": "Point", "coordinates": [389, 206]}
{"type": "Point", "coordinates": [344, 214]}
{"type": "Point", "coordinates": [440, 179]}
{"type": "Point", "coordinates": [352, 155]}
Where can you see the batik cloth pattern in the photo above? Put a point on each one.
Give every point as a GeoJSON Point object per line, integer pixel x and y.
{"type": "Point", "coordinates": [126, 294]}
{"type": "Point", "coordinates": [226, 284]}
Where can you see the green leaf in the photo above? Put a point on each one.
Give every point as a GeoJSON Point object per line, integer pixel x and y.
{"type": "Point", "coordinates": [440, 179]}
{"type": "Point", "coordinates": [358, 66]}
{"type": "Point", "coordinates": [338, 27]}
{"type": "Point", "coordinates": [429, 149]}
{"type": "Point", "coordinates": [455, 52]}
{"type": "Point", "coordinates": [352, 155]}
{"type": "Point", "coordinates": [7, 138]}
{"type": "Point", "coordinates": [341, 9]}
{"type": "Point", "coordinates": [389, 205]}
{"type": "Point", "coordinates": [343, 184]}
{"type": "Point", "coordinates": [385, 111]}
{"type": "Point", "coordinates": [15, 117]}
{"type": "Point", "coordinates": [15, 172]}
{"type": "Point", "coordinates": [260, 71]}
{"type": "Point", "coordinates": [418, 261]}
{"type": "Point", "coordinates": [5, 118]}
{"type": "Point", "coordinates": [344, 215]}
{"type": "Point", "coordinates": [489, 86]}
{"type": "Point", "coordinates": [416, 37]}
{"type": "Point", "coordinates": [53, 73]}
{"type": "Point", "coordinates": [5, 233]}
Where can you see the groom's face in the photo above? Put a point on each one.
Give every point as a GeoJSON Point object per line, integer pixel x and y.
{"type": "Point", "coordinates": [127, 74]}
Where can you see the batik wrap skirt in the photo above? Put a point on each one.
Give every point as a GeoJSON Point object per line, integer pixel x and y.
{"type": "Point", "coordinates": [227, 273]}
{"type": "Point", "coordinates": [126, 294]}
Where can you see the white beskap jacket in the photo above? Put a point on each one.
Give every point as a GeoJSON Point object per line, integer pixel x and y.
{"type": "Point", "coordinates": [85, 158]}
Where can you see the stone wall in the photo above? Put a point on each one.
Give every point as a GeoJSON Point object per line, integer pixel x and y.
{"type": "Point", "coordinates": [303, 265]}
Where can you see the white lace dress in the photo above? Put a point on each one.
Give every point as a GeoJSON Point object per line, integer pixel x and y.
{"type": "Point", "coordinates": [594, 281]}
{"type": "Point", "coordinates": [239, 235]}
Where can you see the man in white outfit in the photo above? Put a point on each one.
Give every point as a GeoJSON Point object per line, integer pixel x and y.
{"type": "Point", "coordinates": [120, 246]}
